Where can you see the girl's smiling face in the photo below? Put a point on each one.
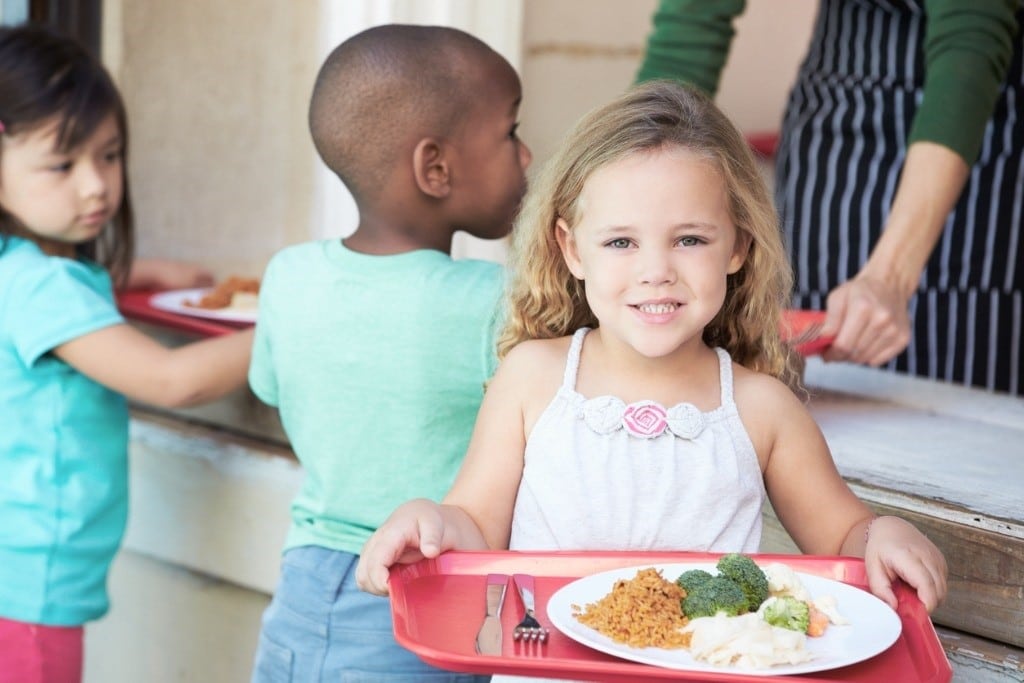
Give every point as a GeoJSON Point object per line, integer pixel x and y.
{"type": "Point", "coordinates": [654, 244]}
{"type": "Point", "coordinates": [63, 197]}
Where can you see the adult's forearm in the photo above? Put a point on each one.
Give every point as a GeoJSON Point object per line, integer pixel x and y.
{"type": "Point", "coordinates": [690, 41]}
{"type": "Point", "coordinates": [931, 182]}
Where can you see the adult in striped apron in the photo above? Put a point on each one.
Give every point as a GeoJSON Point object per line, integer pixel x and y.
{"type": "Point", "coordinates": [899, 175]}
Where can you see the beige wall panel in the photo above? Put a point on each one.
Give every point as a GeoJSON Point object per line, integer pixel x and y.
{"type": "Point", "coordinates": [578, 54]}
{"type": "Point", "coordinates": [221, 161]}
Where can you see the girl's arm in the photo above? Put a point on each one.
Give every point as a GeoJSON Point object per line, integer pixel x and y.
{"type": "Point", "coordinates": [816, 506]}
{"type": "Point", "coordinates": [131, 363]}
{"type": "Point", "coordinates": [164, 274]}
{"type": "Point", "coordinates": [477, 512]}
{"type": "Point", "coordinates": [892, 548]}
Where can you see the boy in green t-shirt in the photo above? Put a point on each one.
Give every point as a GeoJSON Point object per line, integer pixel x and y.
{"type": "Point", "coordinates": [375, 348]}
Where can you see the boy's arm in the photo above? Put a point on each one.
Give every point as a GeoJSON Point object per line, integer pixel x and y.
{"type": "Point", "coordinates": [131, 363]}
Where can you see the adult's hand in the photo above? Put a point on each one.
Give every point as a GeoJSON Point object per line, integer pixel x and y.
{"type": "Point", "coordinates": [869, 319]}
{"type": "Point", "coordinates": [868, 315]}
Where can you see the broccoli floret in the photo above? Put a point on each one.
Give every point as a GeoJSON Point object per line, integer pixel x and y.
{"type": "Point", "coordinates": [742, 570]}
{"type": "Point", "coordinates": [717, 594]}
{"type": "Point", "coordinates": [786, 612]}
{"type": "Point", "coordinates": [692, 578]}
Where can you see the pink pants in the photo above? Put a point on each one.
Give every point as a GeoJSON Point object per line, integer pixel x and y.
{"type": "Point", "coordinates": [31, 653]}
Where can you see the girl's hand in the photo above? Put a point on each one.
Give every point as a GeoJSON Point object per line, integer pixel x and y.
{"type": "Point", "coordinates": [896, 549]}
{"type": "Point", "coordinates": [415, 530]}
{"type": "Point", "coordinates": [165, 274]}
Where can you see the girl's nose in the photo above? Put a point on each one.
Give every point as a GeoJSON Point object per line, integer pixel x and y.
{"type": "Point", "coordinates": [655, 267]}
{"type": "Point", "coordinates": [92, 181]}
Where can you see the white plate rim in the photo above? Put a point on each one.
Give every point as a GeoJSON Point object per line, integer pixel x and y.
{"type": "Point", "coordinates": [860, 607]}
{"type": "Point", "coordinates": [174, 300]}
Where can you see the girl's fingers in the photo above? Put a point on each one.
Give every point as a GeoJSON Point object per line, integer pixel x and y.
{"type": "Point", "coordinates": [880, 584]}
{"type": "Point", "coordinates": [430, 537]}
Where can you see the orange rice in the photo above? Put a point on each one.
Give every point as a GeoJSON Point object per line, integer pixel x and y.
{"type": "Point", "coordinates": [644, 611]}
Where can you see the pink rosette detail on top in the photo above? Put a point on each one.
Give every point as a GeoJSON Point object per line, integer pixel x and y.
{"type": "Point", "coordinates": [645, 419]}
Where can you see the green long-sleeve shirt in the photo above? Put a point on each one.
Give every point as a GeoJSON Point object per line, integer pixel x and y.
{"type": "Point", "coordinates": [967, 49]}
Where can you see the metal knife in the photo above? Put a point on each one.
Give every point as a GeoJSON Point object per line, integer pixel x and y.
{"type": "Point", "coordinates": [488, 639]}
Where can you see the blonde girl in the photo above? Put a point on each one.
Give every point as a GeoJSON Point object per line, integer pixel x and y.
{"type": "Point", "coordinates": [67, 358]}
{"type": "Point", "coordinates": [638, 405]}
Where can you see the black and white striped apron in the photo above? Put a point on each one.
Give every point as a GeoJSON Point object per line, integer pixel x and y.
{"type": "Point", "coordinates": [843, 144]}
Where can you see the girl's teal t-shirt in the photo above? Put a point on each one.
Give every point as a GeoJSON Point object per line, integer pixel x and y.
{"type": "Point", "coordinates": [63, 442]}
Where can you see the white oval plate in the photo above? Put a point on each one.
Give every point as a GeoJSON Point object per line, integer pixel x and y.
{"type": "Point", "coordinates": [174, 301]}
{"type": "Point", "coordinates": [873, 626]}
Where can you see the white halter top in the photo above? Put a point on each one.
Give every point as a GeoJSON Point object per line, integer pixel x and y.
{"type": "Point", "coordinates": [602, 475]}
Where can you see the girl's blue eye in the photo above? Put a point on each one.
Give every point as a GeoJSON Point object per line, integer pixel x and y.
{"type": "Point", "coordinates": [689, 241]}
{"type": "Point", "coordinates": [620, 243]}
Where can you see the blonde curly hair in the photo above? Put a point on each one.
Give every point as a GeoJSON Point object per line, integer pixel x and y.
{"type": "Point", "coordinates": [544, 300]}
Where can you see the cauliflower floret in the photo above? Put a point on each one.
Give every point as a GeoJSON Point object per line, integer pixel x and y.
{"type": "Point", "coordinates": [745, 641]}
{"type": "Point", "coordinates": [782, 580]}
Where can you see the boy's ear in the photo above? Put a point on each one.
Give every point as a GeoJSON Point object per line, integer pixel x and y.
{"type": "Point", "coordinates": [567, 243]}
{"type": "Point", "coordinates": [430, 167]}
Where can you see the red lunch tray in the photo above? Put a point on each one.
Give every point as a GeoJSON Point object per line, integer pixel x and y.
{"type": "Point", "coordinates": [134, 305]}
{"type": "Point", "coordinates": [438, 605]}
{"type": "Point", "coordinates": [795, 322]}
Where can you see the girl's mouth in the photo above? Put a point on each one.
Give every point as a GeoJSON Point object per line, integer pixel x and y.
{"type": "Point", "coordinates": [657, 309]}
{"type": "Point", "coordinates": [95, 218]}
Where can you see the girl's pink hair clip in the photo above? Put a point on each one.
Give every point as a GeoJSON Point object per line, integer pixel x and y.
{"type": "Point", "coordinates": [3, 129]}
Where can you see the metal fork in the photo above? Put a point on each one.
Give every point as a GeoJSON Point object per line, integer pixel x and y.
{"type": "Point", "coordinates": [529, 629]}
{"type": "Point", "coordinates": [809, 334]}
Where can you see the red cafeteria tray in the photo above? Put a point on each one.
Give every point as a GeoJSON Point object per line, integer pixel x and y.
{"type": "Point", "coordinates": [134, 305]}
{"type": "Point", "coordinates": [438, 606]}
{"type": "Point", "coordinates": [794, 322]}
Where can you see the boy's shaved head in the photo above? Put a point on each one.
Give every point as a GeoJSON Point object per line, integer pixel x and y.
{"type": "Point", "coordinates": [386, 88]}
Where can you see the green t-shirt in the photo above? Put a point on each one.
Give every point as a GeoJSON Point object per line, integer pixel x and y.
{"type": "Point", "coordinates": [967, 49]}
{"type": "Point", "coordinates": [377, 365]}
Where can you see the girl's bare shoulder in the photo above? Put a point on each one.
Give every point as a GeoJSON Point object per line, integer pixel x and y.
{"type": "Point", "coordinates": [537, 365]}
{"type": "Point", "coordinates": [540, 354]}
{"type": "Point", "coordinates": [762, 398]}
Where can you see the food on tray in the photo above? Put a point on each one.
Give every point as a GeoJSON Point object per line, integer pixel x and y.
{"type": "Point", "coordinates": [742, 615]}
{"type": "Point", "coordinates": [745, 573]}
{"type": "Point", "coordinates": [234, 292]}
{"type": "Point", "coordinates": [717, 595]}
{"type": "Point", "coordinates": [745, 641]}
{"type": "Point", "coordinates": [739, 587]}
{"type": "Point", "coordinates": [641, 612]}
